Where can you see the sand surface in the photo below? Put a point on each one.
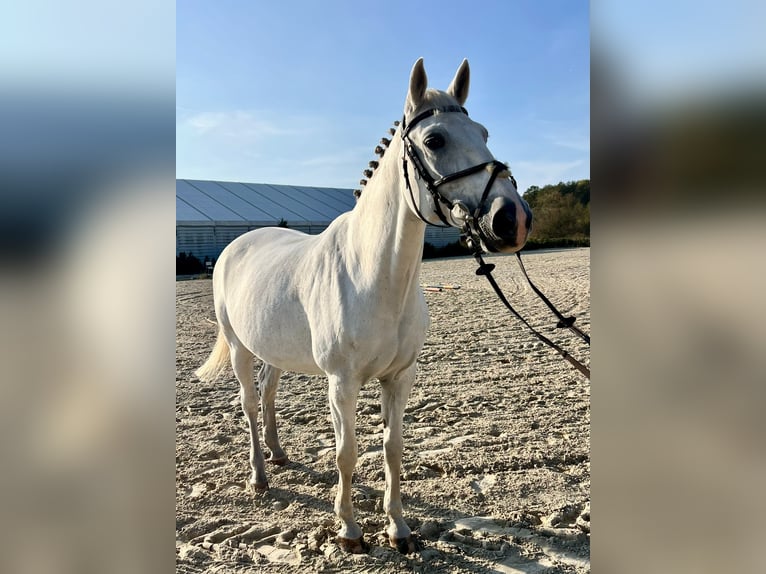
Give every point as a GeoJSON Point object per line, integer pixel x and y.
{"type": "Point", "coordinates": [496, 469]}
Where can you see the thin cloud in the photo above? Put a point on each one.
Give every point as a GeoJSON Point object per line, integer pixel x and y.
{"type": "Point", "coordinates": [542, 173]}
{"type": "Point", "coordinates": [246, 125]}
{"type": "Point", "coordinates": [570, 141]}
{"type": "Point", "coordinates": [354, 157]}
{"type": "Point", "coordinates": [567, 134]}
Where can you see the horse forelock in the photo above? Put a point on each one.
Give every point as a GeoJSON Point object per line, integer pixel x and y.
{"type": "Point", "coordinates": [437, 98]}
{"type": "Point", "coordinates": [432, 99]}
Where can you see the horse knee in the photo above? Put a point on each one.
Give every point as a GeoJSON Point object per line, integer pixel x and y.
{"type": "Point", "coordinates": [393, 446]}
{"type": "Point", "coordinates": [346, 457]}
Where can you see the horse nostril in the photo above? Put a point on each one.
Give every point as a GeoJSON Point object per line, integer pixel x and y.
{"type": "Point", "coordinates": [504, 222]}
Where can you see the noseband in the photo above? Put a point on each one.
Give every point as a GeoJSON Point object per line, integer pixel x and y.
{"type": "Point", "coordinates": [471, 226]}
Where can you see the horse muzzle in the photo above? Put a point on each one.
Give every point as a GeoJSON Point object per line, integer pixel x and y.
{"type": "Point", "coordinates": [506, 225]}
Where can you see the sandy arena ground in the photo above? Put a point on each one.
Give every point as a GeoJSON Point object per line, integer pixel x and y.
{"type": "Point", "coordinates": [496, 470]}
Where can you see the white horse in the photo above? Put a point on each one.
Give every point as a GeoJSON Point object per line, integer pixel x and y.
{"type": "Point", "coordinates": [347, 302]}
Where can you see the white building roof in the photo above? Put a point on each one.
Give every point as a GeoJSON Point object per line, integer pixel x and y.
{"type": "Point", "coordinates": [205, 202]}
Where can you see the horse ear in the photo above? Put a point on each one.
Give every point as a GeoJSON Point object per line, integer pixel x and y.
{"type": "Point", "coordinates": [418, 84]}
{"type": "Point", "coordinates": [458, 89]}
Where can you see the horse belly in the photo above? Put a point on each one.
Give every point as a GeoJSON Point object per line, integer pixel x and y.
{"type": "Point", "coordinates": [262, 306]}
{"type": "Point", "coordinates": [277, 334]}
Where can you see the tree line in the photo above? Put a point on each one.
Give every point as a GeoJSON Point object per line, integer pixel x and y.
{"type": "Point", "coordinates": [561, 214]}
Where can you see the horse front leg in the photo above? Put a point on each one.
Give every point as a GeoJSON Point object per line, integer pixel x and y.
{"type": "Point", "coordinates": [394, 394]}
{"type": "Point", "coordinates": [343, 396]}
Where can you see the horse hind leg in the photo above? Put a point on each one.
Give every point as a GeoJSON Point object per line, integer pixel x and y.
{"type": "Point", "coordinates": [242, 363]}
{"type": "Point", "coordinates": [268, 382]}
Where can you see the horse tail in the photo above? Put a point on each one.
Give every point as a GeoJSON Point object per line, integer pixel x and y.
{"type": "Point", "coordinates": [216, 362]}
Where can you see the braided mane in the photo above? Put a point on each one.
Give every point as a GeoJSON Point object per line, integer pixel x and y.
{"type": "Point", "coordinates": [380, 150]}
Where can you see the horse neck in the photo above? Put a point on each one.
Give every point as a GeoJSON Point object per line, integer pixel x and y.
{"type": "Point", "coordinates": [385, 235]}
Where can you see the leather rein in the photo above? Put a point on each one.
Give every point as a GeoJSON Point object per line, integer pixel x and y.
{"type": "Point", "coordinates": [471, 232]}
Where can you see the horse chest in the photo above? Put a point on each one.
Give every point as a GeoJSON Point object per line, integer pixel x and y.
{"type": "Point", "coordinates": [372, 336]}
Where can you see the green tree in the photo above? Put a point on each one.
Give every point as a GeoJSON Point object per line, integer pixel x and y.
{"type": "Point", "coordinates": [561, 213]}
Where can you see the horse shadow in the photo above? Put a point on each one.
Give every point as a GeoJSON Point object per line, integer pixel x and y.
{"type": "Point", "coordinates": [465, 554]}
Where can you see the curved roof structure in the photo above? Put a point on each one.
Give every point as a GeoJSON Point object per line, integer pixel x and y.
{"type": "Point", "coordinates": [203, 202]}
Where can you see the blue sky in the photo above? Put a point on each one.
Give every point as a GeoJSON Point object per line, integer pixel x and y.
{"type": "Point", "coordinates": [300, 92]}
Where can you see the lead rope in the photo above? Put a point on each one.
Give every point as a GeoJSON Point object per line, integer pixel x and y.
{"type": "Point", "coordinates": [564, 322]}
{"type": "Point", "coordinates": [486, 270]}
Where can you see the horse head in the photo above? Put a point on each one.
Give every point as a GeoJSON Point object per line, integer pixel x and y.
{"type": "Point", "coordinates": [454, 179]}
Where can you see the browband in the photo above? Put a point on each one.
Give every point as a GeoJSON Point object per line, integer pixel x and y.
{"type": "Point", "coordinates": [427, 114]}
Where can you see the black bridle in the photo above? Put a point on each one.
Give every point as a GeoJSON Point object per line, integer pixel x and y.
{"type": "Point", "coordinates": [471, 230]}
{"type": "Point", "coordinates": [433, 184]}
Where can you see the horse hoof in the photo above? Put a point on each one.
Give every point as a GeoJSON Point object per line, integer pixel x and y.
{"type": "Point", "coordinates": [257, 487]}
{"type": "Point", "coordinates": [406, 545]}
{"type": "Point", "coordinates": [281, 461]}
{"type": "Point", "coordinates": [353, 545]}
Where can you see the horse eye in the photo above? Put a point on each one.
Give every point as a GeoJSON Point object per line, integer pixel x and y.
{"type": "Point", "coordinates": [434, 141]}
